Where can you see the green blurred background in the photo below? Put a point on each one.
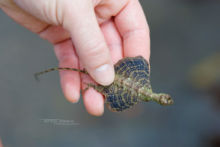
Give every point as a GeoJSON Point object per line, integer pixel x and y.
{"type": "Point", "coordinates": [185, 60]}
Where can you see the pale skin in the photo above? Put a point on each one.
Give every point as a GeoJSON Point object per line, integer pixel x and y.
{"type": "Point", "coordinates": [90, 34]}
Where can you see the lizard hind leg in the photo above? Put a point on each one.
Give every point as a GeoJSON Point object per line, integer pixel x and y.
{"type": "Point", "coordinates": [98, 88]}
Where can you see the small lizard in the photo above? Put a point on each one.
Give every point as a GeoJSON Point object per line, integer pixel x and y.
{"type": "Point", "coordinates": [130, 86]}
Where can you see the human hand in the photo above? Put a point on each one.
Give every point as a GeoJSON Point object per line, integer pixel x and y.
{"type": "Point", "coordinates": [90, 34]}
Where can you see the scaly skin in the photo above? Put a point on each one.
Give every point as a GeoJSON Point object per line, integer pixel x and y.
{"type": "Point", "coordinates": [131, 85]}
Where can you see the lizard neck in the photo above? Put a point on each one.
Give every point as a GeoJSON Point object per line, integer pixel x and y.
{"type": "Point", "coordinates": [146, 94]}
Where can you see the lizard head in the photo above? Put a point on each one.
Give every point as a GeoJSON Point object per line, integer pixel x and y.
{"type": "Point", "coordinates": [165, 99]}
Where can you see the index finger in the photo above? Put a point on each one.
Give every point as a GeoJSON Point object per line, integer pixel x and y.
{"type": "Point", "coordinates": [133, 27]}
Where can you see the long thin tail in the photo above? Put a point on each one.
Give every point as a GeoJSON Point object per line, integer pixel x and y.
{"type": "Point", "coordinates": [36, 75]}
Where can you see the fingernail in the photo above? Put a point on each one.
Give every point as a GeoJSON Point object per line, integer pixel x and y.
{"type": "Point", "coordinates": [104, 74]}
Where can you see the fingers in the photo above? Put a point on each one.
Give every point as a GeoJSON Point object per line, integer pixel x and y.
{"type": "Point", "coordinates": [70, 80]}
{"type": "Point", "coordinates": [90, 44]}
{"type": "Point", "coordinates": [134, 30]}
{"type": "Point", "coordinates": [94, 101]}
{"type": "Point", "coordinates": [113, 40]}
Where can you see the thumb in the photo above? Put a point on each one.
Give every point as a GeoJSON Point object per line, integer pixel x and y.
{"type": "Point", "coordinates": [90, 43]}
{"type": "Point", "coordinates": [77, 17]}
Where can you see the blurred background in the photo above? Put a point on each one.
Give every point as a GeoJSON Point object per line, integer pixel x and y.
{"type": "Point", "coordinates": [185, 60]}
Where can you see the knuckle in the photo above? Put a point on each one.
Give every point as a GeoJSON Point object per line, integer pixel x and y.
{"type": "Point", "coordinates": [96, 54]}
{"type": "Point", "coordinates": [136, 32]}
{"type": "Point", "coordinates": [67, 62]}
{"type": "Point", "coordinates": [52, 12]}
{"type": "Point", "coordinates": [95, 48]}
